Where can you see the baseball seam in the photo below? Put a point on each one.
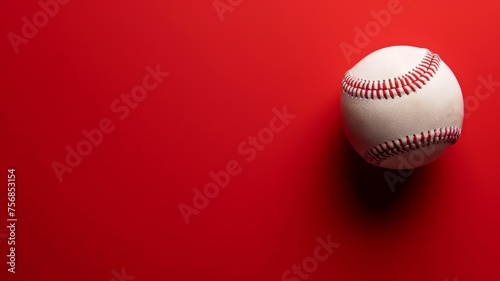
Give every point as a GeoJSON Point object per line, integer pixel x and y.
{"type": "Point", "coordinates": [398, 86]}
{"type": "Point", "coordinates": [388, 149]}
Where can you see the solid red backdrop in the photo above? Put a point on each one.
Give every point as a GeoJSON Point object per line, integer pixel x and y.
{"type": "Point", "coordinates": [233, 67]}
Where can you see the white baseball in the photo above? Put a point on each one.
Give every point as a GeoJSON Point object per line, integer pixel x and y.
{"type": "Point", "coordinates": [402, 107]}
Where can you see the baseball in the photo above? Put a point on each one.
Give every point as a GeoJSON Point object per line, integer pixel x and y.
{"type": "Point", "coordinates": [402, 107]}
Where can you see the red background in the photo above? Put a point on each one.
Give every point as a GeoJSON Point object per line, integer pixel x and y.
{"type": "Point", "coordinates": [120, 207]}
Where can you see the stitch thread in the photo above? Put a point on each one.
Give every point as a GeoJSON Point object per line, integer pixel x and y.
{"type": "Point", "coordinates": [384, 151]}
{"type": "Point", "coordinates": [385, 89]}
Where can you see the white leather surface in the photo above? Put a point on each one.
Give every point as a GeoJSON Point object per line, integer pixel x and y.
{"type": "Point", "coordinates": [369, 122]}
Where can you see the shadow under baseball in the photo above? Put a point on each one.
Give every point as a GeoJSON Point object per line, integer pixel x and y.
{"type": "Point", "coordinates": [375, 192]}
{"type": "Point", "coordinates": [361, 194]}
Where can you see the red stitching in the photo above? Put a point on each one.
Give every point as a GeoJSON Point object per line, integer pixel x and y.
{"type": "Point", "coordinates": [384, 151]}
{"type": "Point", "coordinates": [405, 84]}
